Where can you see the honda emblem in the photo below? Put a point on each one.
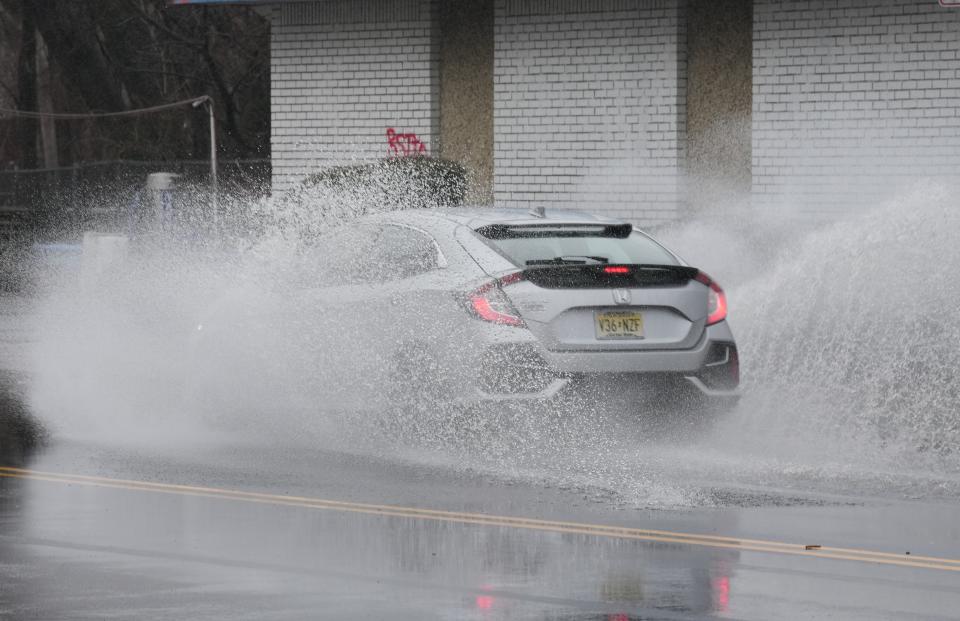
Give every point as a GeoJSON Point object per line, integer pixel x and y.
{"type": "Point", "coordinates": [621, 296]}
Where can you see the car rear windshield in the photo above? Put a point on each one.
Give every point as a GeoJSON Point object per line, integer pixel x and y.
{"type": "Point", "coordinates": [571, 246]}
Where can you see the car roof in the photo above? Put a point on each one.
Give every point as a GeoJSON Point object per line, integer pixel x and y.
{"type": "Point", "coordinates": [477, 217]}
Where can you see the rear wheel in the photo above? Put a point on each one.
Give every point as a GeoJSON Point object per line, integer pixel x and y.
{"type": "Point", "coordinates": [415, 392]}
{"type": "Point", "coordinates": [681, 410]}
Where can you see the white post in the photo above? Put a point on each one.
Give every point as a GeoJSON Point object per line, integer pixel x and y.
{"type": "Point", "coordinates": [213, 158]}
{"type": "Point", "coordinates": [208, 101]}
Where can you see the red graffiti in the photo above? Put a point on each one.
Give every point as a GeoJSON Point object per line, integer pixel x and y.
{"type": "Point", "coordinates": [404, 145]}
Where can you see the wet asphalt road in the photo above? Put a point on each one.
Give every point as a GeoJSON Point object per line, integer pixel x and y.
{"type": "Point", "coordinates": [223, 528]}
{"type": "Point", "coordinates": [97, 548]}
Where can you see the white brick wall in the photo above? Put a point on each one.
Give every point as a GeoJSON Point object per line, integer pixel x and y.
{"type": "Point", "coordinates": [852, 99]}
{"type": "Point", "coordinates": [590, 105]}
{"type": "Point", "coordinates": [342, 72]}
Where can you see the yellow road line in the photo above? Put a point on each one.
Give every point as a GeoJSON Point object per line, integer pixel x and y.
{"type": "Point", "coordinates": [640, 534]}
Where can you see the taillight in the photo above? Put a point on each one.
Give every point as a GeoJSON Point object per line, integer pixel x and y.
{"type": "Point", "coordinates": [717, 304]}
{"type": "Point", "coordinates": [490, 303]}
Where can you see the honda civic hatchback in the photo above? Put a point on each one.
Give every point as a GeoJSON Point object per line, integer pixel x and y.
{"type": "Point", "coordinates": [472, 305]}
{"type": "Point", "coordinates": [436, 309]}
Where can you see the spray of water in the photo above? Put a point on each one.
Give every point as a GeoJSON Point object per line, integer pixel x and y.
{"type": "Point", "coordinates": [847, 343]}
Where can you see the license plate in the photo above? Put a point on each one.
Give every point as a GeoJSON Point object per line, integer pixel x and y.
{"type": "Point", "coordinates": [619, 325]}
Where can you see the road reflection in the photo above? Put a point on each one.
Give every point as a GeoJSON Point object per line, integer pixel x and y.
{"type": "Point", "coordinates": [146, 550]}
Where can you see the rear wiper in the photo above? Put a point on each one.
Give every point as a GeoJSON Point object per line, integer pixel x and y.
{"type": "Point", "coordinates": [569, 260]}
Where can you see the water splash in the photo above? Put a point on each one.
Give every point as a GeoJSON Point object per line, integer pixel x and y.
{"type": "Point", "coordinates": [848, 345]}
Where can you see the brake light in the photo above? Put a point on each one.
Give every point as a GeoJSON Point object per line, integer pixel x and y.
{"type": "Point", "coordinates": [490, 303]}
{"type": "Point", "coordinates": [616, 269]}
{"type": "Point", "coordinates": [717, 304]}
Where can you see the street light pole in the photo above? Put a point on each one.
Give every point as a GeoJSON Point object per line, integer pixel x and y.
{"type": "Point", "coordinates": [213, 157]}
{"type": "Point", "coordinates": [208, 102]}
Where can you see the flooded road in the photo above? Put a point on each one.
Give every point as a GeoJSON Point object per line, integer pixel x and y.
{"type": "Point", "coordinates": [256, 532]}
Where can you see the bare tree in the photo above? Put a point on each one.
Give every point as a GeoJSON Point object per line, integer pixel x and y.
{"type": "Point", "coordinates": [112, 55]}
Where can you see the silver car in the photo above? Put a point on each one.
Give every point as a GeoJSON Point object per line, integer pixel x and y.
{"type": "Point", "coordinates": [466, 306]}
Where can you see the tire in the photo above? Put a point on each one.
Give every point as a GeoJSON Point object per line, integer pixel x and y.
{"type": "Point", "coordinates": [684, 412]}
{"type": "Point", "coordinates": [414, 393]}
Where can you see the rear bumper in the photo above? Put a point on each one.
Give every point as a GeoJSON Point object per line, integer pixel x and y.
{"type": "Point", "coordinates": [720, 394]}
{"type": "Point", "coordinates": [524, 371]}
{"type": "Point", "coordinates": [642, 385]}
{"type": "Point", "coordinates": [645, 361]}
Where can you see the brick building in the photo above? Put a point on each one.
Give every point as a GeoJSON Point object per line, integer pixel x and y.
{"type": "Point", "coordinates": [641, 108]}
{"type": "Point", "coordinates": [851, 99]}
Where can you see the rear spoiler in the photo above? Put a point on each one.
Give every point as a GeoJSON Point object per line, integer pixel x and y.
{"type": "Point", "coordinates": [555, 229]}
{"type": "Point", "coordinates": [604, 276]}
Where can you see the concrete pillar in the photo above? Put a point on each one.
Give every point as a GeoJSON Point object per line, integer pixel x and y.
{"type": "Point", "coordinates": [466, 91]}
{"type": "Point", "coordinates": [719, 83]}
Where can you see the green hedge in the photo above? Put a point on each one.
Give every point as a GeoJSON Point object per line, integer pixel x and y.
{"type": "Point", "coordinates": [335, 195]}
{"type": "Point", "coordinates": [397, 183]}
